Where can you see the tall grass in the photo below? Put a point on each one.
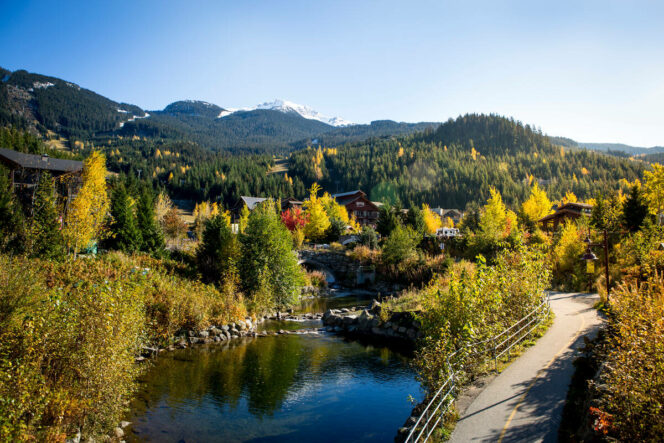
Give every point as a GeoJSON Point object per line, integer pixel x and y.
{"type": "Point", "coordinates": [69, 333]}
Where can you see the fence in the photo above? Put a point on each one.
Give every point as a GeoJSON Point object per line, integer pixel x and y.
{"type": "Point", "coordinates": [494, 347]}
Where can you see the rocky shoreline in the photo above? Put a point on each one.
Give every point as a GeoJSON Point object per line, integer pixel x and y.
{"type": "Point", "coordinates": [401, 328]}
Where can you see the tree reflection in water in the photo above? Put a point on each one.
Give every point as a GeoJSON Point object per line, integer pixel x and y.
{"type": "Point", "coordinates": [279, 388]}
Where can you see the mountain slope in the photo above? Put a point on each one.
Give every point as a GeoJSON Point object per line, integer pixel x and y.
{"type": "Point", "coordinates": [49, 103]}
{"type": "Point", "coordinates": [459, 162]}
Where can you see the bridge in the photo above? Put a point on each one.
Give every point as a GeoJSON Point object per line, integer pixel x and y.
{"type": "Point", "coordinates": [337, 266]}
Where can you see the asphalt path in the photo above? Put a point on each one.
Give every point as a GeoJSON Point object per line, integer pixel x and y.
{"type": "Point", "coordinates": [525, 402]}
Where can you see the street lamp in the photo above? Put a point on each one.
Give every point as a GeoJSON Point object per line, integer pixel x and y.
{"type": "Point", "coordinates": [590, 256]}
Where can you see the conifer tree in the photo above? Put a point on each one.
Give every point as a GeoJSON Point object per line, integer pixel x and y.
{"type": "Point", "coordinates": [635, 209]}
{"type": "Point", "coordinates": [46, 234]}
{"type": "Point", "coordinates": [125, 233]}
{"type": "Point", "coordinates": [415, 219]}
{"type": "Point", "coordinates": [218, 252]}
{"type": "Point", "coordinates": [12, 224]}
{"type": "Point", "coordinates": [151, 235]}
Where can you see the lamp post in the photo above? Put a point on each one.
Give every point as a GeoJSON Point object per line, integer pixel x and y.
{"type": "Point", "coordinates": [589, 255]}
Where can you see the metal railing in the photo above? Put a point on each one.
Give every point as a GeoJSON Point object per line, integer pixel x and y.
{"type": "Point", "coordinates": [495, 347]}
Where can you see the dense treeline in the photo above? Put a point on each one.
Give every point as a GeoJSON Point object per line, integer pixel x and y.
{"type": "Point", "coordinates": [187, 171]}
{"type": "Point", "coordinates": [459, 163]}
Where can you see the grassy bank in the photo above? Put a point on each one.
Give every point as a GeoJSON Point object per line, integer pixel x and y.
{"type": "Point", "coordinates": [69, 333]}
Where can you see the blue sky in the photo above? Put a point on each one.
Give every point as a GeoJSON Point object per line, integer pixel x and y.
{"type": "Point", "coordinates": [593, 71]}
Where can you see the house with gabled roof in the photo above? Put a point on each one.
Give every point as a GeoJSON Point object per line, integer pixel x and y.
{"type": "Point", "coordinates": [358, 205]}
{"type": "Point", "coordinates": [26, 170]}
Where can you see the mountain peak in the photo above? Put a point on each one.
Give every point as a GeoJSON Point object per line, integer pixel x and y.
{"type": "Point", "coordinates": [194, 108]}
{"type": "Point", "coordinates": [288, 107]}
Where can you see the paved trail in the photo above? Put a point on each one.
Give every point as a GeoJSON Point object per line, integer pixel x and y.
{"type": "Point", "coordinates": [525, 402]}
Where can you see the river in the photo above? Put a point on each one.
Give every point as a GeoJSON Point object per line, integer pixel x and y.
{"type": "Point", "coordinates": [284, 388]}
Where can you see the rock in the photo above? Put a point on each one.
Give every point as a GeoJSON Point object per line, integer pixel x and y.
{"type": "Point", "coordinates": [411, 333]}
{"type": "Point", "coordinates": [281, 331]}
{"type": "Point", "coordinates": [182, 343]}
{"type": "Point", "coordinates": [349, 320]}
{"type": "Point", "coordinates": [402, 329]}
{"type": "Point", "coordinates": [118, 432]}
{"type": "Point", "coordinates": [124, 424]}
{"type": "Point", "coordinates": [248, 323]}
{"type": "Point", "coordinates": [204, 334]}
{"type": "Point", "coordinates": [289, 310]}
{"type": "Point", "coordinates": [140, 359]}
{"type": "Point", "coordinates": [193, 340]}
{"type": "Point", "coordinates": [190, 333]}
{"type": "Point", "coordinates": [411, 421]}
{"type": "Point", "coordinates": [225, 328]}
{"type": "Point", "coordinates": [215, 332]}
{"type": "Point", "coordinates": [345, 310]}
{"type": "Point", "coordinates": [375, 307]}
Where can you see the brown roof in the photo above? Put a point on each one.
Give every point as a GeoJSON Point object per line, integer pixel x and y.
{"type": "Point", "coordinates": [19, 159]}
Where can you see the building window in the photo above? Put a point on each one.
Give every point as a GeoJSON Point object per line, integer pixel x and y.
{"type": "Point", "coordinates": [360, 204]}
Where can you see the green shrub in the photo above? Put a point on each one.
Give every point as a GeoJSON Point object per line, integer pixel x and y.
{"type": "Point", "coordinates": [472, 303]}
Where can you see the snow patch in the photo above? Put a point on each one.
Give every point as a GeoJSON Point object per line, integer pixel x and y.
{"type": "Point", "coordinates": [288, 106]}
{"type": "Point", "coordinates": [40, 85]}
{"type": "Point", "coordinates": [134, 117]}
{"type": "Point", "coordinates": [72, 85]}
{"type": "Point", "coordinates": [123, 111]}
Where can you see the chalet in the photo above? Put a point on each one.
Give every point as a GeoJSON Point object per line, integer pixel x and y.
{"type": "Point", "coordinates": [568, 211]}
{"type": "Point", "coordinates": [251, 202]}
{"type": "Point", "coordinates": [453, 214]}
{"type": "Point", "coordinates": [290, 203]}
{"type": "Point", "coordinates": [357, 204]}
{"type": "Point", "coordinates": [27, 169]}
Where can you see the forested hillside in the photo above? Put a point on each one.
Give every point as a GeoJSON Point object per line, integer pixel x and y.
{"type": "Point", "coordinates": [48, 103]}
{"type": "Point", "coordinates": [459, 162]}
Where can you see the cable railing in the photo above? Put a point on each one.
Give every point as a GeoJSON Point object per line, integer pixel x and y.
{"type": "Point", "coordinates": [495, 347]}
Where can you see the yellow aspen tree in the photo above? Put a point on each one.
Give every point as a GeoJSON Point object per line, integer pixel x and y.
{"type": "Point", "coordinates": [431, 220]}
{"type": "Point", "coordinates": [569, 197]}
{"type": "Point", "coordinates": [244, 219]}
{"type": "Point", "coordinates": [318, 219]}
{"type": "Point", "coordinates": [537, 206]}
{"type": "Point", "coordinates": [653, 188]}
{"type": "Point", "coordinates": [87, 213]}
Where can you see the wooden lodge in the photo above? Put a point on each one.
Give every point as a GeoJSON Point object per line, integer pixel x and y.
{"type": "Point", "coordinates": [568, 211]}
{"type": "Point", "coordinates": [27, 169]}
{"type": "Point", "coordinates": [357, 204]}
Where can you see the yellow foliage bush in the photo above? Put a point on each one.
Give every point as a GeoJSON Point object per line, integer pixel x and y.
{"type": "Point", "coordinates": [634, 376]}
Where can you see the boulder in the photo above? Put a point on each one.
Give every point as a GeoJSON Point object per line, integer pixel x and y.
{"type": "Point", "coordinates": [402, 329]}
{"type": "Point", "coordinates": [375, 307]}
{"type": "Point", "coordinates": [204, 334]}
{"type": "Point", "coordinates": [118, 432]}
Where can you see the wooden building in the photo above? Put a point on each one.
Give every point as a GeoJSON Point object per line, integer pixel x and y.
{"type": "Point", "coordinates": [27, 169]}
{"type": "Point", "coordinates": [357, 204]}
{"type": "Point", "coordinates": [568, 211]}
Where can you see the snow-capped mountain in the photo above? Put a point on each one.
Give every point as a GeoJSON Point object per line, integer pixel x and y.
{"type": "Point", "coordinates": [287, 106]}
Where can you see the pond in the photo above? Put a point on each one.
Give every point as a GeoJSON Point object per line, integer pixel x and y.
{"type": "Point", "coordinates": [284, 388]}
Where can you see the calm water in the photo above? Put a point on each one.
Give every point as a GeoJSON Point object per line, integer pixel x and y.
{"type": "Point", "coordinates": [287, 388]}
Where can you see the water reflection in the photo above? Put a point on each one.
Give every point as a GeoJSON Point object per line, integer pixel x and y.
{"type": "Point", "coordinates": [273, 389]}
{"type": "Point", "coordinates": [337, 299]}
